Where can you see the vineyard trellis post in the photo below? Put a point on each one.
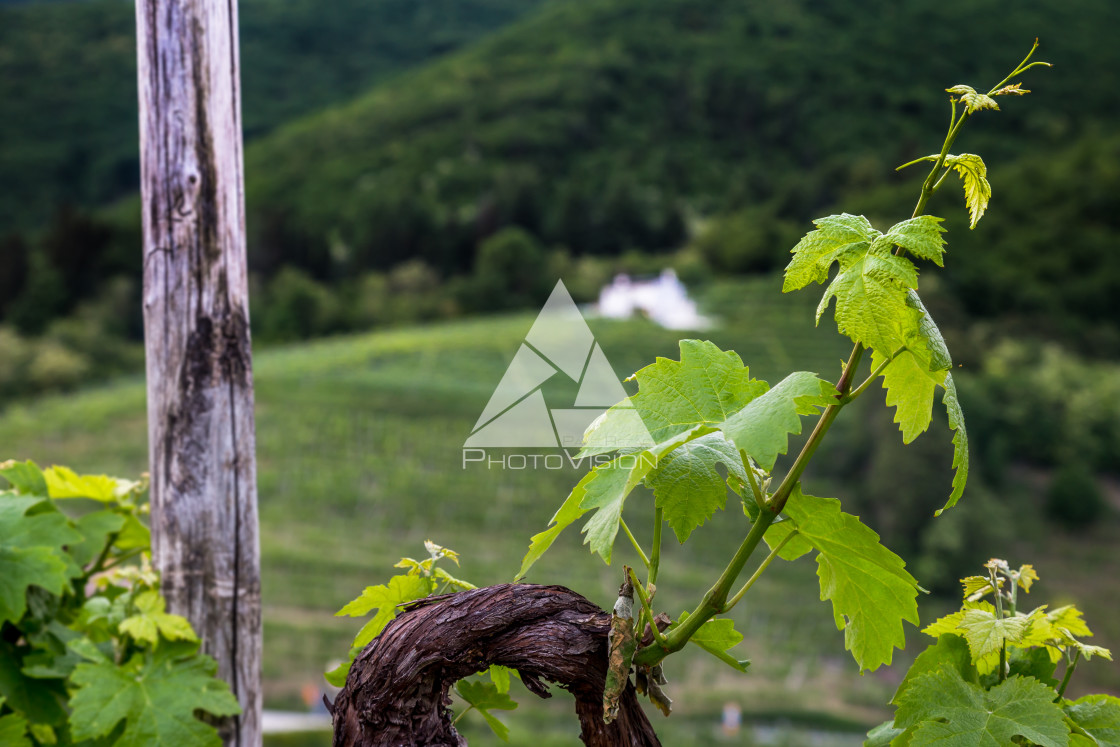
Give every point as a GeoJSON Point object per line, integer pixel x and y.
{"type": "Point", "coordinates": [196, 325]}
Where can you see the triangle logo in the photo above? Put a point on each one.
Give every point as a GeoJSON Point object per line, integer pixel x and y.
{"type": "Point", "coordinates": [559, 344]}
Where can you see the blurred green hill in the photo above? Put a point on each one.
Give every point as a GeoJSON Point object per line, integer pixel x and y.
{"type": "Point", "coordinates": [68, 130]}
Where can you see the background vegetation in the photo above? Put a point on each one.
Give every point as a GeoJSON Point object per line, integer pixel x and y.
{"type": "Point", "coordinates": [417, 161]}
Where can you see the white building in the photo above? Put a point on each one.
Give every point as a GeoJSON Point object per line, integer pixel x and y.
{"type": "Point", "coordinates": [663, 299]}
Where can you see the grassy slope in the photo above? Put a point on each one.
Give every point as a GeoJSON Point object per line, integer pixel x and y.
{"type": "Point", "coordinates": [68, 129]}
{"type": "Point", "coordinates": [359, 461]}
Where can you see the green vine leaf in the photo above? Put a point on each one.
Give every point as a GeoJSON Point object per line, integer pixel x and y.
{"type": "Point", "coordinates": [794, 548]}
{"type": "Point", "coordinates": [871, 592]}
{"type": "Point", "coordinates": [960, 442]}
{"type": "Point", "coordinates": [156, 695]}
{"type": "Point", "coordinates": [948, 651]}
{"type": "Point", "coordinates": [384, 598]}
{"type": "Point", "coordinates": [32, 552]}
{"type": "Point", "coordinates": [814, 254]}
{"type": "Point", "coordinates": [1099, 715]}
{"type": "Point", "coordinates": [485, 697]}
{"type": "Point", "coordinates": [24, 477]}
{"type": "Point", "coordinates": [13, 730]}
{"type": "Point", "coordinates": [940, 708]}
{"type": "Point", "coordinates": [687, 485]}
{"type": "Point", "coordinates": [704, 387]}
{"type": "Point", "coordinates": [987, 634]}
{"type": "Point", "coordinates": [152, 621]}
{"type": "Point", "coordinates": [871, 284]}
{"type": "Point", "coordinates": [870, 292]}
{"type": "Point", "coordinates": [716, 636]}
{"type": "Point", "coordinates": [762, 427]}
{"type": "Point", "coordinates": [974, 178]}
{"type": "Point", "coordinates": [973, 99]}
{"type": "Point", "coordinates": [612, 483]}
{"type": "Point", "coordinates": [63, 482]}
{"type": "Point", "coordinates": [921, 236]}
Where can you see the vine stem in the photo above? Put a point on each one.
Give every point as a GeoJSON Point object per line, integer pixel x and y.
{"type": "Point", "coordinates": [715, 600]}
{"type": "Point", "coordinates": [634, 542]}
{"type": "Point", "coordinates": [647, 609]}
{"type": "Point", "coordinates": [655, 551]}
{"type": "Point", "coordinates": [872, 376]}
{"type": "Point", "coordinates": [1069, 673]}
{"type": "Point", "coordinates": [765, 564]}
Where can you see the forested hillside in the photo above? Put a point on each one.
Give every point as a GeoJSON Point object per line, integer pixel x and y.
{"type": "Point", "coordinates": [615, 124]}
{"type": "Point", "coordinates": [68, 133]}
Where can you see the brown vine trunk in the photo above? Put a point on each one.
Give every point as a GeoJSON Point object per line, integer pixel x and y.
{"type": "Point", "coordinates": [397, 690]}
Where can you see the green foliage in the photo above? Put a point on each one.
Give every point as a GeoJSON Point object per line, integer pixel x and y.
{"type": "Point", "coordinates": [700, 411]}
{"type": "Point", "coordinates": [156, 695]}
{"type": "Point", "coordinates": [89, 651]}
{"type": "Point", "coordinates": [988, 677]}
{"type": "Point", "coordinates": [871, 592]}
{"type": "Point", "coordinates": [511, 271]}
{"type": "Point", "coordinates": [877, 306]}
{"type": "Point", "coordinates": [941, 708]}
{"type": "Point", "coordinates": [1074, 498]}
{"type": "Point", "coordinates": [423, 578]}
{"type": "Point", "coordinates": [693, 415]}
{"type": "Point", "coordinates": [485, 697]}
{"type": "Point", "coordinates": [717, 636]}
{"type": "Point", "coordinates": [68, 81]}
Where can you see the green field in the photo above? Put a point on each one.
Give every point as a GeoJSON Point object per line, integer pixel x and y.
{"type": "Point", "coordinates": [359, 458]}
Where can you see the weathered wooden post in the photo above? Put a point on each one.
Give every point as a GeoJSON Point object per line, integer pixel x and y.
{"type": "Point", "coordinates": [196, 324]}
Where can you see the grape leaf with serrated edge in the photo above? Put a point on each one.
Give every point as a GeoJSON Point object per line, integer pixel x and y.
{"type": "Point", "coordinates": [921, 236]}
{"type": "Point", "coordinates": [156, 695]}
{"type": "Point", "coordinates": [484, 697]}
{"type": "Point", "coordinates": [716, 636]}
{"type": "Point", "coordinates": [63, 482]}
{"type": "Point", "coordinates": [1099, 715]}
{"type": "Point", "coordinates": [705, 386]}
{"type": "Point", "coordinates": [611, 483]}
{"type": "Point", "coordinates": [948, 650]}
{"type": "Point", "coordinates": [604, 490]}
{"type": "Point", "coordinates": [915, 372]}
{"type": "Point", "coordinates": [687, 486]}
{"type": "Point", "coordinates": [814, 254]}
{"type": "Point", "coordinates": [987, 633]}
{"type": "Point", "coordinates": [941, 708]}
{"type": "Point", "coordinates": [974, 180]}
{"type": "Point", "coordinates": [13, 730]}
{"type": "Point", "coordinates": [960, 442]}
{"type": "Point", "coordinates": [871, 592]}
{"type": "Point", "coordinates": [152, 621]}
{"type": "Point", "coordinates": [762, 427]}
{"type": "Point", "coordinates": [31, 552]}
{"type": "Point", "coordinates": [384, 598]}
{"type": "Point", "coordinates": [24, 477]}
{"type": "Point", "coordinates": [870, 292]}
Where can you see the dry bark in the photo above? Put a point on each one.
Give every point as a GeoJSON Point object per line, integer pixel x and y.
{"type": "Point", "coordinates": [397, 690]}
{"type": "Point", "coordinates": [196, 331]}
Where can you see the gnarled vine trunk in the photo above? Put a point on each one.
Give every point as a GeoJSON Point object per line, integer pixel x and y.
{"type": "Point", "coordinates": [397, 690]}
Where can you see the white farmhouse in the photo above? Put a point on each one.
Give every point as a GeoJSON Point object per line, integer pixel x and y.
{"type": "Point", "coordinates": [663, 299]}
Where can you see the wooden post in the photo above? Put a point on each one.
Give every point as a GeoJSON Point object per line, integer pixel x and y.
{"type": "Point", "coordinates": [196, 325]}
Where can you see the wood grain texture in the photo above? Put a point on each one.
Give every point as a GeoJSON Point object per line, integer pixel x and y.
{"type": "Point", "coordinates": [196, 323]}
{"type": "Point", "coordinates": [397, 689]}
